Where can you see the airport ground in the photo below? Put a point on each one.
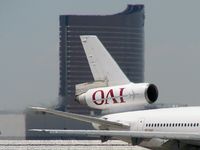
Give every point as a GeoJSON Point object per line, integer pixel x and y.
{"type": "Point", "coordinates": [65, 145]}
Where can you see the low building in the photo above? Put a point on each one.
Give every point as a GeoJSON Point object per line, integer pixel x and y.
{"type": "Point", "coordinates": [12, 126]}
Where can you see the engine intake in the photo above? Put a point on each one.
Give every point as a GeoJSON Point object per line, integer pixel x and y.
{"type": "Point", "coordinates": [151, 93]}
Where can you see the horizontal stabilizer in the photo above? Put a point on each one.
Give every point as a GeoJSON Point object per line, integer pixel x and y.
{"type": "Point", "coordinates": [103, 123]}
{"type": "Point", "coordinates": [84, 87]}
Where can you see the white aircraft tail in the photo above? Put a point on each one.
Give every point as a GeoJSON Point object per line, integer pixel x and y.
{"type": "Point", "coordinates": [102, 65]}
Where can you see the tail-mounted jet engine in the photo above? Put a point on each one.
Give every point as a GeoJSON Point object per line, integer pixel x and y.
{"type": "Point", "coordinates": [106, 97]}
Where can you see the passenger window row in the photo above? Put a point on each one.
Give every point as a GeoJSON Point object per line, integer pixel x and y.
{"type": "Point", "coordinates": [172, 124]}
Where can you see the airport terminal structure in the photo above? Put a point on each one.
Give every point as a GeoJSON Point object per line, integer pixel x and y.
{"type": "Point", "coordinates": [123, 36]}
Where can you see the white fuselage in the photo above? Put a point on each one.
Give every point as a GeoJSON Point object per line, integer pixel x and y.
{"type": "Point", "coordinates": [181, 119]}
{"type": "Point", "coordinates": [165, 119]}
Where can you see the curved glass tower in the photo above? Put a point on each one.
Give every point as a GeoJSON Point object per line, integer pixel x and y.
{"type": "Point", "coordinates": [123, 36]}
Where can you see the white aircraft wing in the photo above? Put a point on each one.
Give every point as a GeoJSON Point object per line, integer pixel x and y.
{"type": "Point", "coordinates": [119, 130]}
{"type": "Point", "coordinates": [104, 124]}
{"type": "Point", "coordinates": [115, 133]}
{"type": "Point", "coordinates": [102, 65]}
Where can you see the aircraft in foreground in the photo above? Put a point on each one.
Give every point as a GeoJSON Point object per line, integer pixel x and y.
{"type": "Point", "coordinates": [166, 128]}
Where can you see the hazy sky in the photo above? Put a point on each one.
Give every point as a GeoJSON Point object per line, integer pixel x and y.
{"type": "Point", "coordinates": [29, 48]}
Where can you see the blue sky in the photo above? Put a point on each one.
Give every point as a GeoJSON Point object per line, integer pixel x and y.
{"type": "Point", "coordinates": [29, 48]}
